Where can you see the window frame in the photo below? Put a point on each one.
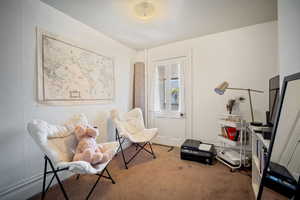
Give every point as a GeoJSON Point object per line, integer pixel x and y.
{"type": "Point", "coordinates": [168, 112]}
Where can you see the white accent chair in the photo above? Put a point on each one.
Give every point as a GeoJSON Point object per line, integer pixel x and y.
{"type": "Point", "coordinates": [58, 144]}
{"type": "Point", "coordinates": [131, 126]}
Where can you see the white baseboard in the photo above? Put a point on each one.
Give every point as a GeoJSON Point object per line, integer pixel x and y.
{"type": "Point", "coordinates": [31, 186]}
{"type": "Point", "coordinates": [27, 188]}
{"type": "Point", "coordinates": [8, 192]}
{"type": "Point", "coordinates": [168, 141]}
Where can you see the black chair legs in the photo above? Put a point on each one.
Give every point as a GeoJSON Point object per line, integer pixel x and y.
{"type": "Point", "coordinates": [109, 176]}
{"type": "Point", "coordinates": [98, 179]}
{"type": "Point", "coordinates": [120, 147]}
{"type": "Point", "coordinates": [55, 175]}
{"type": "Point", "coordinates": [44, 179]}
{"type": "Point", "coordinates": [138, 146]}
{"type": "Point", "coordinates": [154, 156]}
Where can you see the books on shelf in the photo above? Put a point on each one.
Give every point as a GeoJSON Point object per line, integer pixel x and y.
{"type": "Point", "coordinates": [230, 133]}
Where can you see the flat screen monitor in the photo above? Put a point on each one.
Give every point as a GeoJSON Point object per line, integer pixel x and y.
{"type": "Point", "coordinates": [273, 98]}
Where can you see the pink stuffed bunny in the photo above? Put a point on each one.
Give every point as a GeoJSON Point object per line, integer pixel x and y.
{"type": "Point", "coordinates": [87, 149]}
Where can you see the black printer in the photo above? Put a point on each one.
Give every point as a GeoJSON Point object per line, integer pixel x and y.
{"type": "Point", "coordinates": [194, 151]}
{"type": "Point", "coordinates": [280, 180]}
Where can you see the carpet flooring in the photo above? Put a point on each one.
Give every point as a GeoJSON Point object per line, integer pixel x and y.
{"type": "Point", "coordinates": [166, 177]}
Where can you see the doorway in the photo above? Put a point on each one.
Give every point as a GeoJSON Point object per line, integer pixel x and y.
{"type": "Point", "coordinates": [168, 95]}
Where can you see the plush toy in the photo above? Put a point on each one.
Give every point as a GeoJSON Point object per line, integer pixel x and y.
{"type": "Point", "coordinates": [87, 149]}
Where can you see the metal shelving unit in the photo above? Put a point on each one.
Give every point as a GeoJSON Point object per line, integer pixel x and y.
{"type": "Point", "coordinates": [234, 153]}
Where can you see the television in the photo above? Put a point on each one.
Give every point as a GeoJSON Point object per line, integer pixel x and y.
{"type": "Point", "coordinates": [273, 99]}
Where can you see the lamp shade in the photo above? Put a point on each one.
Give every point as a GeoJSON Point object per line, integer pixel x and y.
{"type": "Point", "coordinates": [221, 88]}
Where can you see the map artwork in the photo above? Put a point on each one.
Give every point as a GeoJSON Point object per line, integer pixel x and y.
{"type": "Point", "coordinates": [68, 73]}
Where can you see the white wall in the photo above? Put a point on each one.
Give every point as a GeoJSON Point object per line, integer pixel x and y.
{"type": "Point", "coordinates": [245, 57]}
{"type": "Point", "coordinates": [21, 160]}
{"type": "Point", "coordinates": [289, 36]}
{"type": "Point", "coordinates": [139, 56]}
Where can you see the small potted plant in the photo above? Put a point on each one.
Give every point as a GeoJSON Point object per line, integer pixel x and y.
{"type": "Point", "coordinates": [231, 104]}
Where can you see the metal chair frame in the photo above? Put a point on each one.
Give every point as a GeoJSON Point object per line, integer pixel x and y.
{"type": "Point", "coordinates": [139, 148]}
{"type": "Point", "coordinates": [55, 175]}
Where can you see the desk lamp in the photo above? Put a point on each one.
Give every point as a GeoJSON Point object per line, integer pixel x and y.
{"type": "Point", "coordinates": [225, 86]}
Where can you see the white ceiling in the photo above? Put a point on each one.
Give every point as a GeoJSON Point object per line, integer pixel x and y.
{"type": "Point", "coordinates": [175, 19]}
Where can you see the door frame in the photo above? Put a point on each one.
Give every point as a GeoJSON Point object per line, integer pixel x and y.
{"type": "Point", "coordinates": [188, 88]}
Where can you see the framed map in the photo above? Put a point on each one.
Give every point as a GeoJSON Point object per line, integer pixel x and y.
{"type": "Point", "coordinates": [68, 73]}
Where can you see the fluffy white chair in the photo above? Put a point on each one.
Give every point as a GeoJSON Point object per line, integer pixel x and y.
{"type": "Point", "coordinates": [58, 143]}
{"type": "Point", "coordinates": [131, 126]}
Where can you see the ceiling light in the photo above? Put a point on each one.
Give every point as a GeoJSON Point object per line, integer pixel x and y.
{"type": "Point", "coordinates": [144, 10]}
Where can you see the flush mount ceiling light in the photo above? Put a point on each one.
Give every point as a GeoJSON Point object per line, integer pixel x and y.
{"type": "Point", "coordinates": [144, 10]}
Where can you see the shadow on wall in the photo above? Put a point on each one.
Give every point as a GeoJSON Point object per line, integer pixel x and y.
{"type": "Point", "coordinates": [110, 130]}
{"type": "Point", "coordinates": [105, 125]}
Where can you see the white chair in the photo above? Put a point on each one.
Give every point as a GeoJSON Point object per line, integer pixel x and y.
{"type": "Point", "coordinates": [131, 126]}
{"type": "Point", "coordinates": [58, 143]}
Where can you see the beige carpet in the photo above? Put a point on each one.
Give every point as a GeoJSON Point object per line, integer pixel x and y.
{"type": "Point", "coordinates": [166, 177]}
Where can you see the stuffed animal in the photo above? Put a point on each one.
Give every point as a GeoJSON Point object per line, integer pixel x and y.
{"type": "Point", "coordinates": [87, 149]}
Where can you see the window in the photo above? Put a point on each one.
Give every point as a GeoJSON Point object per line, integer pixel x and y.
{"type": "Point", "coordinates": [175, 87]}
{"type": "Point", "coordinates": [169, 87]}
